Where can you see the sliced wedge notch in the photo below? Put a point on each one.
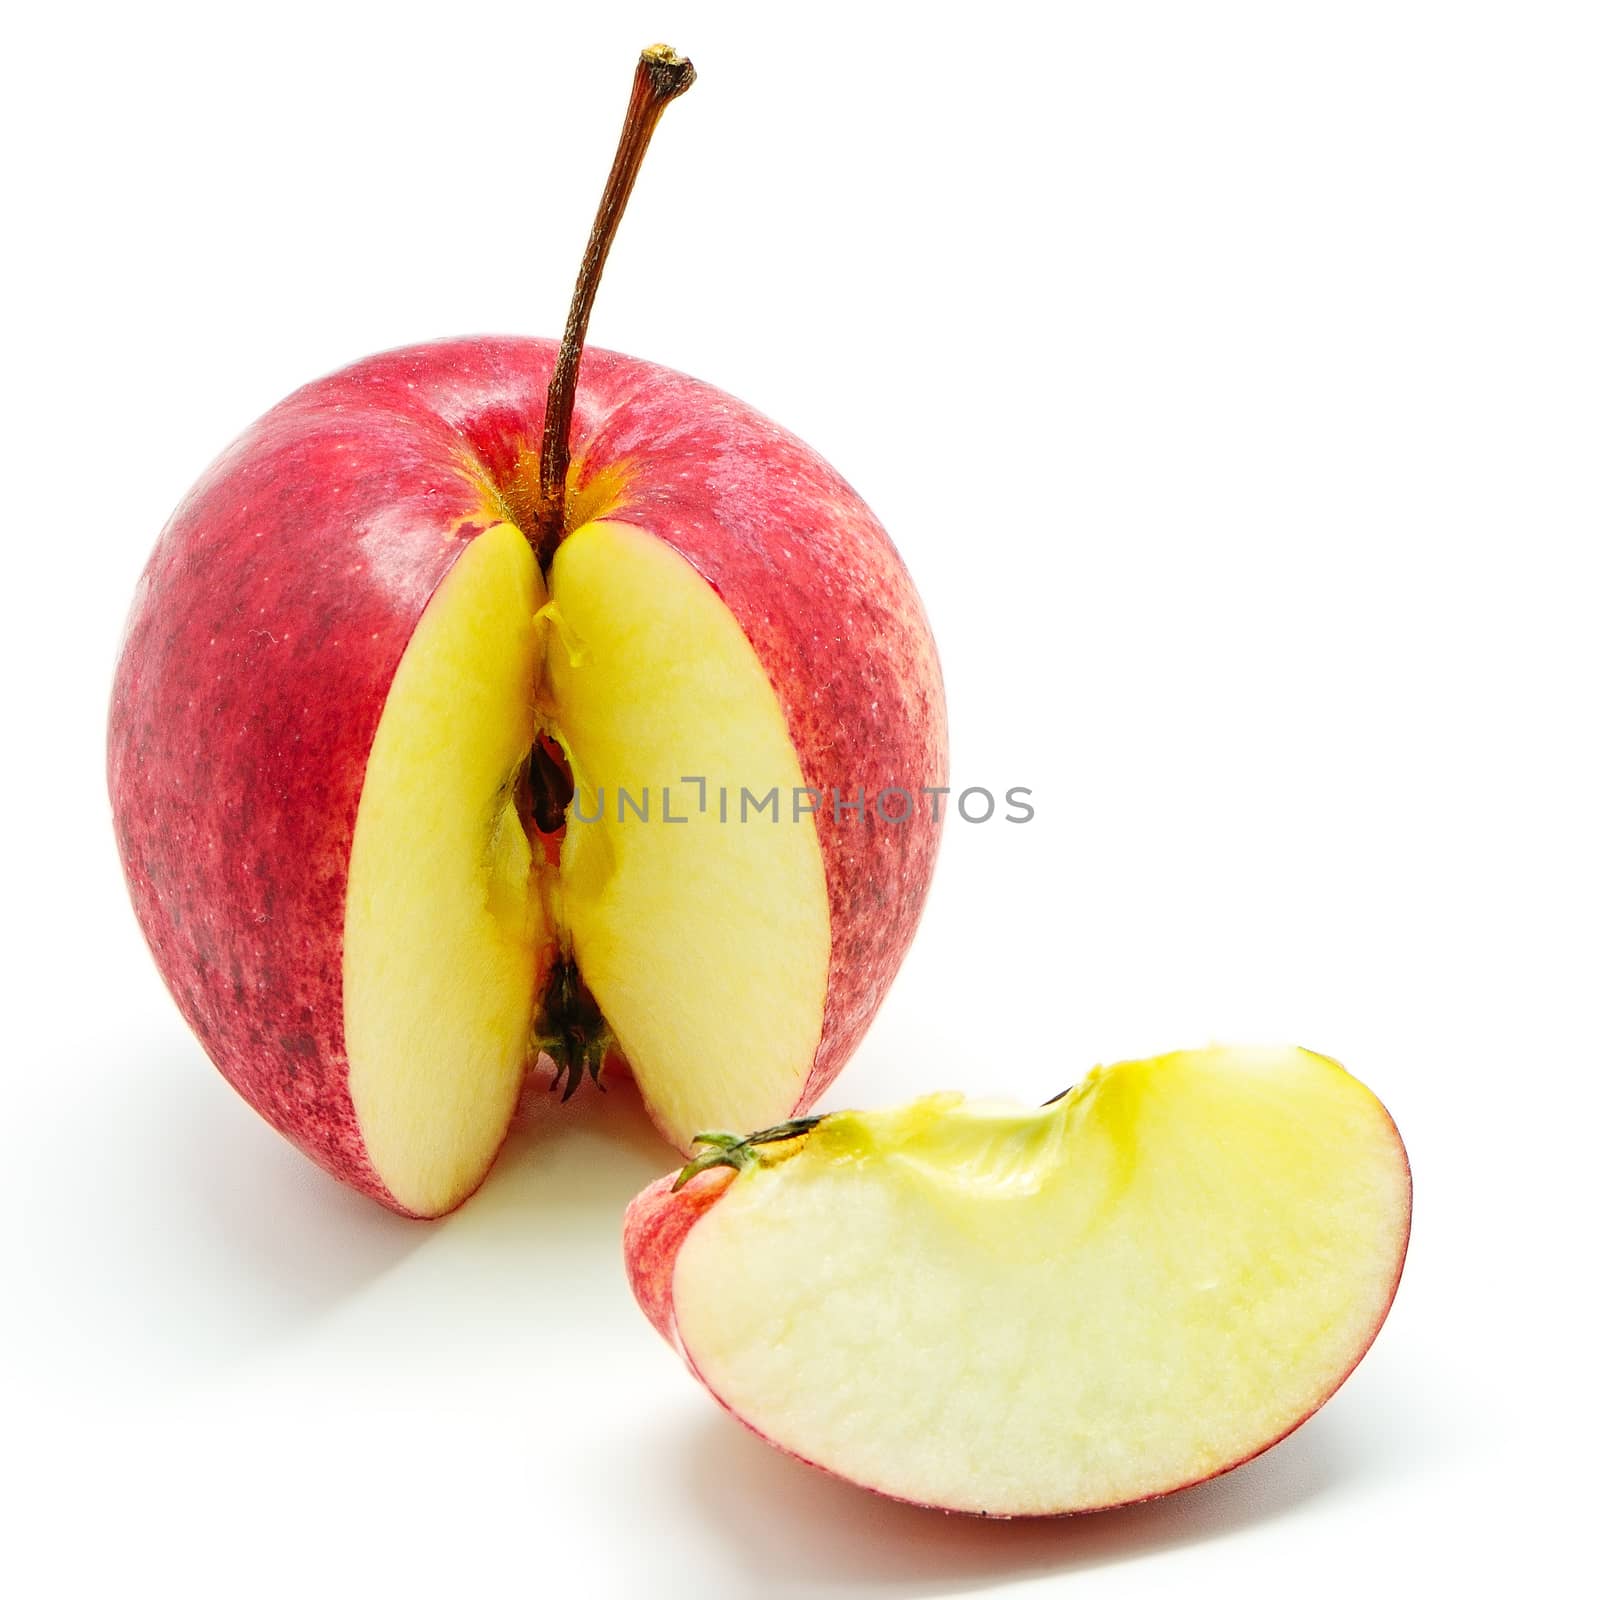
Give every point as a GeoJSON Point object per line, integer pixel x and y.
{"type": "Point", "coordinates": [700, 924]}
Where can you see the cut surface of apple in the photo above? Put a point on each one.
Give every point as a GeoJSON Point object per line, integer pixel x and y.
{"type": "Point", "coordinates": [700, 925]}
{"type": "Point", "coordinates": [442, 937]}
{"type": "Point", "coordinates": [1007, 1311]}
{"type": "Point", "coordinates": [703, 935]}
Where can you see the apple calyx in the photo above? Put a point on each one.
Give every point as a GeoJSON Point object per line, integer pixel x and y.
{"type": "Point", "coordinates": [660, 77]}
{"type": "Point", "coordinates": [740, 1150]}
{"type": "Point", "coordinates": [571, 1029]}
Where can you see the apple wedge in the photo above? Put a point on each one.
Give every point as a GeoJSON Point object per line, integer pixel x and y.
{"type": "Point", "coordinates": [1018, 1312]}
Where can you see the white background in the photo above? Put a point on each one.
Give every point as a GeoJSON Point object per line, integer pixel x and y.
{"type": "Point", "coordinates": [1227, 375]}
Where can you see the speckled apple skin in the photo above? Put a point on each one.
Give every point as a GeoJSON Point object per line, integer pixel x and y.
{"type": "Point", "coordinates": [655, 1224]}
{"type": "Point", "coordinates": [268, 625]}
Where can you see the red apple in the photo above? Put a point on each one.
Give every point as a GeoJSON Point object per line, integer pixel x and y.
{"type": "Point", "coordinates": [1012, 1311]}
{"type": "Point", "coordinates": [385, 636]}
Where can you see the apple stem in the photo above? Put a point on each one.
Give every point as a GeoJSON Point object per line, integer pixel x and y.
{"type": "Point", "coordinates": [661, 76]}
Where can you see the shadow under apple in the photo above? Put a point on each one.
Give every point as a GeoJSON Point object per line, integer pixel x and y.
{"type": "Point", "coordinates": [194, 1232]}
{"type": "Point", "coordinates": [797, 1530]}
{"type": "Point", "coordinates": [562, 1179]}
{"type": "Point", "coordinates": [202, 1239]}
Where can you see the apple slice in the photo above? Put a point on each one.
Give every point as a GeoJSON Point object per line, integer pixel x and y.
{"type": "Point", "coordinates": [1019, 1312]}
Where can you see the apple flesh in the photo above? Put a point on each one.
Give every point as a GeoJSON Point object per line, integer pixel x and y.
{"type": "Point", "coordinates": [343, 655]}
{"type": "Point", "coordinates": [1018, 1312]}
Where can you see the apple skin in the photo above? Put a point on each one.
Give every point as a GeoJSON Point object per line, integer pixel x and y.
{"type": "Point", "coordinates": [268, 625]}
{"type": "Point", "coordinates": [657, 1221]}
{"type": "Point", "coordinates": [655, 1225]}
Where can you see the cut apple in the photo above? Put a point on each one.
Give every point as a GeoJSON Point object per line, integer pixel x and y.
{"type": "Point", "coordinates": [341, 804]}
{"type": "Point", "coordinates": [1014, 1312]}
{"type": "Point", "coordinates": [422, 722]}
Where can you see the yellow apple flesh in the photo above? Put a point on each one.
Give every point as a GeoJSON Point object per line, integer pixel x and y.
{"type": "Point", "coordinates": [704, 938]}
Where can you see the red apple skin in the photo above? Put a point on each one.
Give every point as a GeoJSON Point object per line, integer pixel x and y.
{"type": "Point", "coordinates": [658, 1220]}
{"type": "Point", "coordinates": [656, 1223]}
{"type": "Point", "coordinates": [268, 625]}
